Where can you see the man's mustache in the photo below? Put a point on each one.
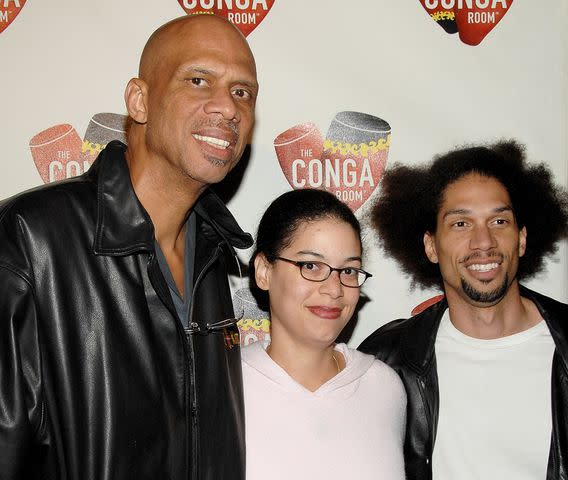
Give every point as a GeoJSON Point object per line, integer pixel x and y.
{"type": "Point", "coordinates": [482, 256]}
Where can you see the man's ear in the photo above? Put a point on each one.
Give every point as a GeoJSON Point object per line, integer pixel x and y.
{"type": "Point", "coordinates": [522, 241]}
{"type": "Point", "coordinates": [430, 247]}
{"type": "Point", "coordinates": [262, 269]}
{"type": "Point", "coordinates": [135, 97]}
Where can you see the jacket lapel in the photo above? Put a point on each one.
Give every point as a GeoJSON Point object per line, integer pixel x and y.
{"type": "Point", "coordinates": [123, 226]}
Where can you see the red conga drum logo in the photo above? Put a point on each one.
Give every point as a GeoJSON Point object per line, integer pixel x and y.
{"type": "Point", "coordinates": [473, 19]}
{"type": "Point", "coordinates": [57, 153]}
{"type": "Point", "coordinates": [246, 15]}
{"type": "Point", "coordinates": [9, 10]}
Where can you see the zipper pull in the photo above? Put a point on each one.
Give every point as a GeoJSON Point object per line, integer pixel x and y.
{"type": "Point", "coordinates": [192, 328]}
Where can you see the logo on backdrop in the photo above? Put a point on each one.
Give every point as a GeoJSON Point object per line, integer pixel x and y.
{"type": "Point", "coordinates": [348, 162]}
{"type": "Point", "coordinates": [254, 324]}
{"type": "Point", "coordinates": [9, 10]}
{"type": "Point", "coordinates": [246, 15]}
{"type": "Point", "coordinates": [59, 153]}
{"type": "Point", "coordinates": [473, 19]}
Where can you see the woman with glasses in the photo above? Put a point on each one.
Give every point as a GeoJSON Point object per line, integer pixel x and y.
{"type": "Point", "coordinates": [315, 408]}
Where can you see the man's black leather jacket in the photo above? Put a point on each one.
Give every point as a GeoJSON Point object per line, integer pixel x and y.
{"type": "Point", "coordinates": [98, 379]}
{"type": "Point", "coordinates": [408, 346]}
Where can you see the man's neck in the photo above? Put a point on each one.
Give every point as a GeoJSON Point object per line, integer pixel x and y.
{"type": "Point", "coordinates": [512, 314]}
{"type": "Point", "coordinates": [166, 194]}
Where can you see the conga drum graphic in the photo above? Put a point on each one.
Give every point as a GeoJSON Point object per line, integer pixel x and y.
{"type": "Point", "coordinates": [254, 324]}
{"type": "Point", "coordinates": [102, 128]}
{"type": "Point", "coordinates": [296, 149]}
{"type": "Point", "coordinates": [354, 157]}
{"type": "Point", "coordinates": [57, 153]}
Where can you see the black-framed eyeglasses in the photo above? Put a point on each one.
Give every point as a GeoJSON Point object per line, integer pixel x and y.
{"type": "Point", "coordinates": [316, 271]}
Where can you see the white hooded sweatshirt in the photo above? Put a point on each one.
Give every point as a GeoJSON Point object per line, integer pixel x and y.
{"type": "Point", "coordinates": [351, 427]}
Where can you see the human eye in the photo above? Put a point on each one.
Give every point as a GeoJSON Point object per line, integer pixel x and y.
{"type": "Point", "coordinates": [311, 266]}
{"type": "Point", "coordinates": [313, 270]}
{"type": "Point", "coordinates": [501, 222]}
{"type": "Point", "coordinates": [458, 224]}
{"type": "Point", "coordinates": [242, 93]}
{"type": "Point", "coordinates": [350, 272]}
{"type": "Point", "coordinates": [198, 81]}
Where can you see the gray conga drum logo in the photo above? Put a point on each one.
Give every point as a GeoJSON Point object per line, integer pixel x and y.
{"type": "Point", "coordinates": [254, 323]}
{"type": "Point", "coordinates": [102, 128]}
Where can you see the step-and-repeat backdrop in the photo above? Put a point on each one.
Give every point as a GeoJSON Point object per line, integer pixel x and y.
{"type": "Point", "coordinates": [347, 89]}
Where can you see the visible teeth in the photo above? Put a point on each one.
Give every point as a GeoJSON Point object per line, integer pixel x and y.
{"type": "Point", "coordinates": [483, 267]}
{"type": "Point", "coordinates": [216, 142]}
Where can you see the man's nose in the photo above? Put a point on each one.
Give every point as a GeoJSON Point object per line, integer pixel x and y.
{"type": "Point", "coordinates": [482, 238]}
{"type": "Point", "coordinates": [223, 102]}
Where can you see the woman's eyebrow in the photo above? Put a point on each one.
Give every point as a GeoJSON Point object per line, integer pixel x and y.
{"type": "Point", "coordinates": [319, 255]}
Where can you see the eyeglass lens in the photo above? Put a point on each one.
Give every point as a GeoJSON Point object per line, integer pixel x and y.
{"type": "Point", "coordinates": [319, 271]}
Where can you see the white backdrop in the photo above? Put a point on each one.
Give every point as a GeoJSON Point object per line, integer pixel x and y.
{"type": "Point", "coordinates": [62, 61]}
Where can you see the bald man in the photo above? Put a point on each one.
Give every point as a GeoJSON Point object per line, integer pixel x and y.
{"type": "Point", "coordinates": [119, 353]}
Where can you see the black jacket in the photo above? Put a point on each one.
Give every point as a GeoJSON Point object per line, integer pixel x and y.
{"type": "Point", "coordinates": [98, 379]}
{"type": "Point", "coordinates": [408, 347]}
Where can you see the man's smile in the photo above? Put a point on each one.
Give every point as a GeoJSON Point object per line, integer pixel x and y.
{"type": "Point", "coordinates": [483, 267]}
{"type": "Point", "coordinates": [213, 141]}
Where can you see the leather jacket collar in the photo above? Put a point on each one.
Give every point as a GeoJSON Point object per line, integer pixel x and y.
{"type": "Point", "coordinates": [124, 226]}
{"type": "Point", "coordinates": [420, 337]}
{"type": "Point", "coordinates": [555, 319]}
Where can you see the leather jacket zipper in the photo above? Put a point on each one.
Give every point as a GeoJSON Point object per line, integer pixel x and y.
{"type": "Point", "coordinates": [193, 329]}
{"type": "Point", "coordinates": [187, 367]}
{"type": "Point", "coordinates": [421, 387]}
{"type": "Point", "coordinates": [192, 432]}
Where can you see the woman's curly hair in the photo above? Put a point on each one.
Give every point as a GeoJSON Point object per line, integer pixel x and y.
{"type": "Point", "coordinates": [411, 197]}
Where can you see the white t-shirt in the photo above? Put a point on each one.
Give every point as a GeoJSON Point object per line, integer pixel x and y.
{"type": "Point", "coordinates": [351, 427]}
{"type": "Point", "coordinates": [495, 418]}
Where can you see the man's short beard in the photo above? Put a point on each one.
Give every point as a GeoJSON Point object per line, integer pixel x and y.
{"type": "Point", "coordinates": [491, 297]}
{"type": "Point", "coordinates": [216, 162]}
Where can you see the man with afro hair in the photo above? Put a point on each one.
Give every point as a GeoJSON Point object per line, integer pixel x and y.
{"type": "Point", "coordinates": [486, 367]}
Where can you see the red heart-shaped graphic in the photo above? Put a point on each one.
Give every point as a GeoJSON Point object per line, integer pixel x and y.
{"type": "Point", "coordinates": [445, 17]}
{"type": "Point", "coordinates": [57, 153]}
{"type": "Point", "coordinates": [246, 15]}
{"type": "Point", "coordinates": [9, 10]}
{"type": "Point", "coordinates": [476, 22]}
